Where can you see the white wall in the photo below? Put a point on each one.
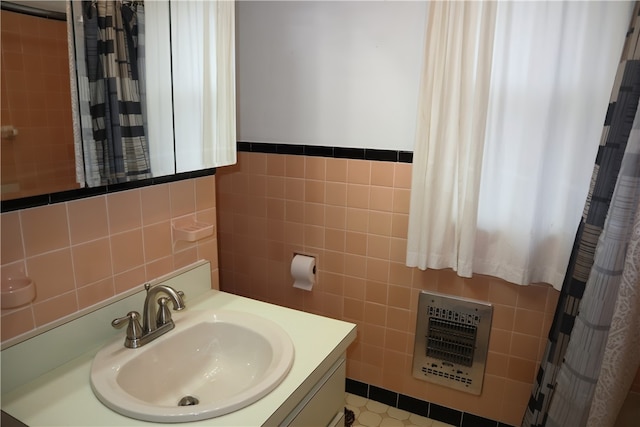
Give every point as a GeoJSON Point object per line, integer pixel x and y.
{"type": "Point", "coordinates": [329, 73]}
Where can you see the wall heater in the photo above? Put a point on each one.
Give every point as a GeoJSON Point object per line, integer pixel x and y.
{"type": "Point", "coordinates": [451, 342]}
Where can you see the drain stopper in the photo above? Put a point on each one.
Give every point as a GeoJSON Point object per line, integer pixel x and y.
{"type": "Point", "coordinates": [188, 401]}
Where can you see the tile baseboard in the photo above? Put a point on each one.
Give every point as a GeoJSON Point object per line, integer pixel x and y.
{"type": "Point", "coordinates": [419, 407]}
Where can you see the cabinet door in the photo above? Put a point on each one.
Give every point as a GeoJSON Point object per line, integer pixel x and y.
{"type": "Point", "coordinates": [325, 401]}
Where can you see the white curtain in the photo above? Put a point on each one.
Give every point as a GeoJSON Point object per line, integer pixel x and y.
{"type": "Point", "coordinates": [75, 102]}
{"type": "Point", "coordinates": [553, 65]}
{"type": "Point", "coordinates": [159, 111]}
{"type": "Point", "coordinates": [222, 71]}
{"type": "Point", "coordinates": [451, 124]}
{"type": "Point", "coordinates": [203, 51]}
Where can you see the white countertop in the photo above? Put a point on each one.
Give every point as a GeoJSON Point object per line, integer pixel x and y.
{"type": "Point", "coordinates": [63, 396]}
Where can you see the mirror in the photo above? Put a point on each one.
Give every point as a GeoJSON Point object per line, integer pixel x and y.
{"type": "Point", "coordinates": [37, 140]}
{"type": "Point", "coordinates": [37, 130]}
{"type": "Point", "coordinates": [124, 95]}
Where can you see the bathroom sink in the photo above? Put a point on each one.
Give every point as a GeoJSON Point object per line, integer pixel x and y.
{"type": "Point", "coordinates": [211, 364]}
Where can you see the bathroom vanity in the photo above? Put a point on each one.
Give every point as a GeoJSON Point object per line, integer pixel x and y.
{"type": "Point", "coordinates": [46, 377]}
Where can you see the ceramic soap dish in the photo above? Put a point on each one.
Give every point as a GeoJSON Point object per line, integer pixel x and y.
{"type": "Point", "coordinates": [17, 291]}
{"type": "Point", "coordinates": [192, 231]}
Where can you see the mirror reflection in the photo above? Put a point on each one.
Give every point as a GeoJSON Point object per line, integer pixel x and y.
{"type": "Point", "coordinates": [65, 130]}
{"type": "Point", "coordinates": [110, 78]}
{"type": "Point", "coordinates": [37, 129]}
{"type": "Point", "coordinates": [114, 120]}
{"type": "Point", "coordinates": [115, 109]}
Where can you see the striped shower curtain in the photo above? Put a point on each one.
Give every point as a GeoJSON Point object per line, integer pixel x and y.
{"type": "Point", "coordinates": [112, 47]}
{"type": "Point", "coordinates": [596, 328]}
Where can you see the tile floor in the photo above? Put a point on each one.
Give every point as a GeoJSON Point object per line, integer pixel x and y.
{"type": "Point", "coordinates": [369, 413]}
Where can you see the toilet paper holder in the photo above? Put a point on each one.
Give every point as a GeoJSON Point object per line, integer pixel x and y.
{"type": "Point", "coordinates": [303, 271]}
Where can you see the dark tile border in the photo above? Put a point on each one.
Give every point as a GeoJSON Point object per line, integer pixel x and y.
{"type": "Point", "coordinates": [318, 151]}
{"type": "Point", "coordinates": [348, 153]}
{"type": "Point", "coordinates": [324, 151]}
{"type": "Point", "coordinates": [446, 415]}
{"type": "Point", "coordinates": [24, 203]}
{"type": "Point", "coordinates": [242, 146]}
{"type": "Point", "coordinates": [66, 196]}
{"type": "Point", "coordinates": [413, 405]}
{"type": "Point", "coordinates": [405, 157]}
{"type": "Point", "coordinates": [357, 388]}
{"type": "Point", "coordinates": [418, 406]}
{"type": "Point", "coordinates": [383, 396]}
{"type": "Point", "coordinates": [470, 420]}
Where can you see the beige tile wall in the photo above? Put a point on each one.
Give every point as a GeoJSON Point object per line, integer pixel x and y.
{"type": "Point", "coordinates": [35, 99]}
{"type": "Point", "coordinates": [84, 251]}
{"type": "Point", "coordinates": [352, 215]}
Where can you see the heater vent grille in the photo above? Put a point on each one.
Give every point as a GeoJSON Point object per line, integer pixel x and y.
{"type": "Point", "coordinates": [452, 336]}
{"type": "Point", "coordinates": [451, 341]}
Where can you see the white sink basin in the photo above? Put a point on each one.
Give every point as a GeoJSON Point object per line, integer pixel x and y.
{"type": "Point", "coordinates": [224, 359]}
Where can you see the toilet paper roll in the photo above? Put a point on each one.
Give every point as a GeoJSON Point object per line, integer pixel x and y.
{"type": "Point", "coordinates": [303, 271]}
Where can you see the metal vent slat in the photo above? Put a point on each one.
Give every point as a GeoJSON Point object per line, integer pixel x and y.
{"type": "Point", "coordinates": [451, 341]}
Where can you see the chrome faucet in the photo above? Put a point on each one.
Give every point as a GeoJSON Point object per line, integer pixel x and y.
{"type": "Point", "coordinates": [155, 322]}
{"type": "Point", "coordinates": [150, 322]}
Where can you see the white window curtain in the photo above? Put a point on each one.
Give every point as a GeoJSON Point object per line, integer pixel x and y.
{"type": "Point", "coordinates": [203, 51]}
{"type": "Point", "coordinates": [451, 125]}
{"type": "Point", "coordinates": [505, 198]}
{"type": "Point", "coordinates": [158, 88]}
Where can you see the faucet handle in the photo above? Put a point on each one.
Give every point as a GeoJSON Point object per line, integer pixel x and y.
{"type": "Point", "coordinates": [134, 330]}
{"type": "Point", "coordinates": [164, 314]}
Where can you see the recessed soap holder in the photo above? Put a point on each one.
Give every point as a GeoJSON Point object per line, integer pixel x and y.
{"type": "Point", "coordinates": [190, 230]}
{"type": "Point", "coordinates": [16, 292]}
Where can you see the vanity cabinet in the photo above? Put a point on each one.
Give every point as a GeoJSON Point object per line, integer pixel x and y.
{"type": "Point", "coordinates": [324, 404]}
{"type": "Point", "coordinates": [54, 366]}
